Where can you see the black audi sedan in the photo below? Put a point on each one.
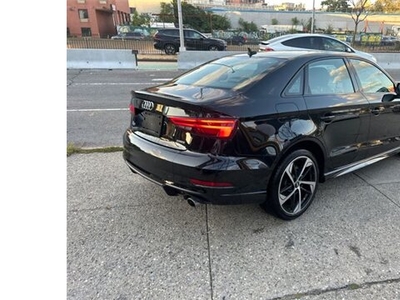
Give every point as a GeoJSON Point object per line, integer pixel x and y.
{"type": "Point", "coordinates": [263, 127]}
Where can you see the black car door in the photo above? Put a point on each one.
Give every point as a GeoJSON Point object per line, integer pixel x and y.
{"type": "Point", "coordinates": [193, 40]}
{"type": "Point", "coordinates": [341, 113]}
{"type": "Point", "coordinates": [384, 133]}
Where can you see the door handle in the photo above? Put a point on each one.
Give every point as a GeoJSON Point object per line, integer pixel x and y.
{"type": "Point", "coordinates": [328, 118]}
{"type": "Point", "coordinates": [377, 110]}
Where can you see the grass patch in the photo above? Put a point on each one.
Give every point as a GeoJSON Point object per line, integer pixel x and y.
{"type": "Point", "coordinates": [72, 149]}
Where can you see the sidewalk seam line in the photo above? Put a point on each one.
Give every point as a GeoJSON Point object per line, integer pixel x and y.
{"type": "Point", "coordinates": [209, 254]}
{"type": "Point", "coordinates": [351, 286]}
{"type": "Point", "coordinates": [380, 192]}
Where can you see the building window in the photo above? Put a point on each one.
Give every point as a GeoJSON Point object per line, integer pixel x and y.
{"type": "Point", "coordinates": [103, 1]}
{"type": "Point", "coordinates": [83, 15]}
{"type": "Point", "coordinates": [81, 1]}
{"type": "Point", "coordinates": [86, 31]}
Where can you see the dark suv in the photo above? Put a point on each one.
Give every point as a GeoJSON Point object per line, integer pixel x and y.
{"type": "Point", "coordinates": [168, 40]}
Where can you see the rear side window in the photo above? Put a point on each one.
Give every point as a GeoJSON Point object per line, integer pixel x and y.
{"type": "Point", "coordinates": [305, 42]}
{"type": "Point", "coordinates": [372, 79]}
{"type": "Point", "coordinates": [170, 32]}
{"type": "Point", "coordinates": [298, 43]}
{"type": "Point", "coordinates": [295, 86]}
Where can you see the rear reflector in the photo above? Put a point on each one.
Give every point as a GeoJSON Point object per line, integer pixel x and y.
{"type": "Point", "coordinates": [210, 183]}
{"type": "Point", "coordinates": [221, 128]}
{"type": "Point", "coordinates": [268, 49]}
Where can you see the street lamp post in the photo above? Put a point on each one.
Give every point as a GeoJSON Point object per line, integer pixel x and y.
{"type": "Point", "coordinates": [181, 39]}
{"type": "Point", "coordinates": [313, 16]}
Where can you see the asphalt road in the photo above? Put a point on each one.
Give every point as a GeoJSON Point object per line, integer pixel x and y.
{"type": "Point", "coordinates": [128, 240]}
{"type": "Point", "coordinates": [97, 101]}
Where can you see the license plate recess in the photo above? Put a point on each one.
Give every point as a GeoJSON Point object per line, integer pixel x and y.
{"type": "Point", "coordinates": [152, 122]}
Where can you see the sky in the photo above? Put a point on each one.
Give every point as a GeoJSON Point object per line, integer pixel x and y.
{"type": "Point", "coordinates": [144, 6]}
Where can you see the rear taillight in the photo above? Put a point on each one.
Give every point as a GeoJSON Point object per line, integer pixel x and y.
{"type": "Point", "coordinates": [268, 49]}
{"type": "Point", "coordinates": [132, 109]}
{"type": "Point", "coordinates": [220, 128]}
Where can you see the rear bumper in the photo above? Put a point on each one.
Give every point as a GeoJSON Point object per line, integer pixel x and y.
{"type": "Point", "coordinates": [174, 168]}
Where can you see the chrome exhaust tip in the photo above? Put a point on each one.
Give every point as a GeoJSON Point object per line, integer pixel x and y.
{"type": "Point", "coordinates": [192, 201]}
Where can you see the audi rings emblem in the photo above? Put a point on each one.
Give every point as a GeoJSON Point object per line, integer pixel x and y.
{"type": "Point", "coordinates": [147, 105]}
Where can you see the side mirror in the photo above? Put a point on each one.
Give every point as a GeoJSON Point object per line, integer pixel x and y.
{"type": "Point", "coordinates": [391, 97]}
{"type": "Point", "coordinates": [388, 97]}
{"type": "Point", "coordinates": [397, 89]}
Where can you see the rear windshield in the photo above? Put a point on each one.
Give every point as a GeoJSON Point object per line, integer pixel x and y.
{"type": "Point", "coordinates": [230, 72]}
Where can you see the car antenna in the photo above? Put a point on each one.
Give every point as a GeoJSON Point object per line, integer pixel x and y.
{"type": "Point", "coordinates": [250, 52]}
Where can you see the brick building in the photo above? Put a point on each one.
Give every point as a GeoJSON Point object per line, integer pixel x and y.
{"type": "Point", "coordinates": [96, 18]}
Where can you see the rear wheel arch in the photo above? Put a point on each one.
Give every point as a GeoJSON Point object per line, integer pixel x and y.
{"type": "Point", "coordinates": [294, 180]}
{"type": "Point", "coordinates": [311, 145]}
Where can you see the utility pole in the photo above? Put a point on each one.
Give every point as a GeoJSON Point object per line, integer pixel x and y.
{"type": "Point", "coordinates": [313, 16]}
{"type": "Point", "coordinates": [181, 39]}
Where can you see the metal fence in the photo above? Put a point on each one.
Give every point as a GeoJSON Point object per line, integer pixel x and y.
{"type": "Point", "coordinates": [142, 46]}
{"type": "Point", "coordinates": [146, 46]}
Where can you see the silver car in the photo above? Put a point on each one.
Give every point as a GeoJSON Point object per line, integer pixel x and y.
{"type": "Point", "coordinates": [305, 41]}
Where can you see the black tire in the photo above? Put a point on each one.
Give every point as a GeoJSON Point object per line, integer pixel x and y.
{"type": "Point", "coordinates": [293, 185]}
{"type": "Point", "coordinates": [213, 48]}
{"type": "Point", "coordinates": [169, 49]}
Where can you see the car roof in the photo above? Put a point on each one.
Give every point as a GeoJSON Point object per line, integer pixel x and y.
{"type": "Point", "coordinates": [291, 55]}
{"type": "Point", "coordinates": [296, 35]}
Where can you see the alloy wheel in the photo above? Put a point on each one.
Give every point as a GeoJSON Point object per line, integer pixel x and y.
{"type": "Point", "coordinates": [297, 185]}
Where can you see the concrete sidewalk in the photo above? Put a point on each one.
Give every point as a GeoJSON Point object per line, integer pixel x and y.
{"type": "Point", "coordinates": [128, 240]}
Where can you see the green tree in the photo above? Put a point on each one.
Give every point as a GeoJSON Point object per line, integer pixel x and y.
{"type": "Point", "coordinates": [247, 26]}
{"type": "Point", "coordinates": [274, 21]}
{"type": "Point", "coordinates": [358, 13]}
{"type": "Point", "coordinates": [218, 22]}
{"type": "Point", "coordinates": [295, 22]}
{"type": "Point", "coordinates": [387, 6]}
{"type": "Point", "coordinates": [329, 29]}
{"type": "Point", "coordinates": [308, 25]}
{"type": "Point", "coordinates": [193, 17]}
{"type": "Point", "coordinates": [166, 13]}
{"type": "Point", "coordinates": [140, 20]}
{"type": "Point", "coordinates": [336, 5]}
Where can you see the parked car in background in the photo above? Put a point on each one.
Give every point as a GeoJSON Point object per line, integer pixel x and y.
{"type": "Point", "coordinates": [168, 40]}
{"type": "Point", "coordinates": [263, 127]}
{"type": "Point", "coordinates": [388, 40]}
{"type": "Point", "coordinates": [129, 36]}
{"type": "Point", "coordinates": [306, 41]}
{"type": "Point", "coordinates": [236, 40]}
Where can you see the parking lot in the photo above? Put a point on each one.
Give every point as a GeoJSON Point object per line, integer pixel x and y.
{"type": "Point", "coordinates": [126, 239]}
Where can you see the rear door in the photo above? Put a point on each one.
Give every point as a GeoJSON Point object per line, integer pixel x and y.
{"type": "Point", "coordinates": [384, 132]}
{"type": "Point", "coordinates": [193, 40]}
{"type": "Point", "coordinates": [339, 111]}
